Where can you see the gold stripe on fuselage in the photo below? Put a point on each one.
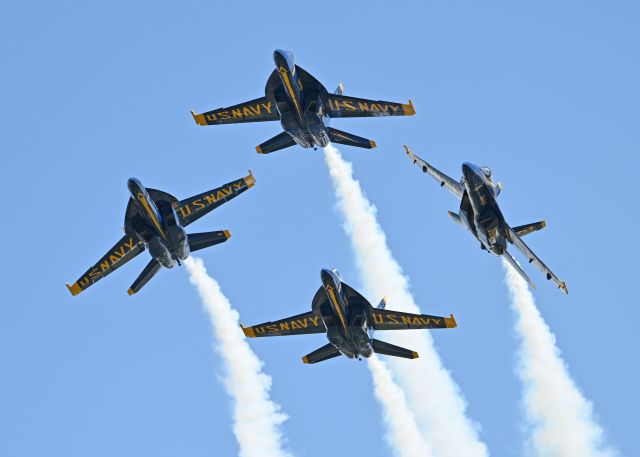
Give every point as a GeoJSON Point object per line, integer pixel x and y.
{"type": "Point", "coordinates": [336, 305]}
{"type": "Point", "coordinates": [287, 84]}
{"type": "Point", "coordinates": [151, 214]}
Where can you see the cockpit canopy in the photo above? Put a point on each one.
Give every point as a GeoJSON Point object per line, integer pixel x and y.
{"type": "Point", "coordinates": [487, 172]}
{"type": "Point", "coordinates": [337, 273]}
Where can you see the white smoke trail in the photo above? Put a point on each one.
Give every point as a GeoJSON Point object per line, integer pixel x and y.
{"type": "Point", "coordinates": [437, 402]}
{"type": "Point", "coordinates": [560, 417]}
{"type": "Point", "coordinates": [256, 419]}
{"type": "Point", "coordinates": [403, 435]}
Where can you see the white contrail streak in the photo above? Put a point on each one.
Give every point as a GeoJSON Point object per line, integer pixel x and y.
{"type": "Point", "coordinates": [403, 434]}
{"type": "Point", "coordinates": [435, 399]}
{"type": "Point", "coordinates": [560, 417]}
{"type": "Point", "coordinates": [256, 419]}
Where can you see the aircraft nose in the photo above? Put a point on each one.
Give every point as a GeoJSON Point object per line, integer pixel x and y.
{"type": "Point", "coordinates": [134, 186]}
{"type": "Point", "coordinates": [283, 59]}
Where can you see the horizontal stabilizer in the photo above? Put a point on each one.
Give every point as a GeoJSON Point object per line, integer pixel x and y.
{"type": "Point", "coordinates": [328, 351]}
{"type": "Point", "coordinates": [455, 217]}
{"type": "Point", "coordinates": [149, 272]}
{"type": "Point", "coordinates": [522, 230]}
{"type": "Point", "coordinates": [519, 269]}
{"type": "Point", "coordinates": [338, 136]}
{"type": "Point", "coordinates": [380, 347]}
{"type": "Point", "coordinates": [383, 303]}
{"type": "Point", "coordinates": [280, 141]}
{"type": "Point", "coordinates": [203, 240]}
{"type": "Point", "coordinates": [339, 90]}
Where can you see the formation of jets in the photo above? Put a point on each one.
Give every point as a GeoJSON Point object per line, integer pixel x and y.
{"type": "Point", "coordinates": [156, 220]}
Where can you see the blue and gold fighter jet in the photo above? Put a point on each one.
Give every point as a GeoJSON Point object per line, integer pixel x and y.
{"type": "Point", "coordinates": [481, 215]}
{"type": "Point", "coordinates": [155, 220]}
{"type": "Point", "coordinates": [304, 108]}
{"type": "Point", "coordinates": [349, 321]}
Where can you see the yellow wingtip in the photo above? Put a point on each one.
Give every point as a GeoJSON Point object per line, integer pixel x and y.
{"type": "Point", "coordinates": [450, 322]}
{"type": "Point", "coordinates": [248, 331]}
{"type": "Point", "coordinates": [543, 224]}
{"type": "Point", "coordinates": [75, 289]}
{"type": "Point", "coordinates": [250, 180]}
{"type": "Point", "coordinates": [131, 291]}
{"type": "Point", "coordinates": [408, 108]}
{"type": "Point", "coordinates": [305, 359]}
{"type": "Point", "coordinates": [227, 234]}
{"type": "Point", "coordinates": [199, 118]}
{"type": "Point", "coordinates": [415, 355]}
{"type": "Point", "coordinates": [372, 144]}
{"type": "Point", "coordinates": [259, 149]}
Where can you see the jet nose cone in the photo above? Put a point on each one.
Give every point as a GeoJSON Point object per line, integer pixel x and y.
{"type": "Point", "coordinates": [283, 59]}
{"type": "Point", "coordinates": [134, 186]}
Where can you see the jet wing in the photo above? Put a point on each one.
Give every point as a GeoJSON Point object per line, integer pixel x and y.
{"type": "Point", "coordinates": [258, 110]}
{"type": "Point", "coordinates": [123, 251]}
{"type": "Point", "coordinates": [384, 319]}
{"type": "Point", "coordinates": [454, 186]}
{"type": "Point", "coordinates": [517, 242]}
{"type": "Point", "coordinates": [302, 324]}
{"type": "Point", "coordinates": [343, 106]}
{"type": "Point", "coordinates": [193, 208]}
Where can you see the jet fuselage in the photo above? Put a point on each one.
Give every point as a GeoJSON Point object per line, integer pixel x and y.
{"type": "Point", "coordinates": [479, 210]}
{"type": "Point", "coordinates": [157, 227]}
{"type": "Point", "coordinates": [346, 322]}
{"type": "Point", "coordinates": [300, 107]}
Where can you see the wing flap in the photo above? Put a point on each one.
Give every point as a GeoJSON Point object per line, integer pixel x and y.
{"type": "Point", "coordinates": [517, 242]}
{"type": "Point", "coordinates": [258, 110]}
{"type": "Point", "coordinates": [344, 106]}
{"type": "Point", "coordinates": [454, 186]}
{"type": "Point", "coordinates": [193, 208]}
{"type": "Point", "coordinates": [301, 324]}
{"type": "Point", "coordinates": [124, 250]}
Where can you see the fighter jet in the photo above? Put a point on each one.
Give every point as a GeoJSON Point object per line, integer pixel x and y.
{"type": "Point", "coordinates": [155, 220]}
{"type": "Point", "coordinates": [349, 321]}
{"type": "Point", "coordinates": [304, 107]}
{"type": "Point", "coordinates": [480, 213]}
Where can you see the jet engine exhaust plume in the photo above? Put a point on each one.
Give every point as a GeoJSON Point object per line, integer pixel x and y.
{"type": "Point", "coordinates": [438, 405]}
{"type": "Point", "coordinates": [558, 415]}
{"type": "Point", "coordinates": [256, 418]}
{"type": "Point", "coordinates": [403, 433]}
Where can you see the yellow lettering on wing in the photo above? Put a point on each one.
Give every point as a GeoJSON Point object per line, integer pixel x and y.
{"type": "Point", "coordinates": [255, 110]}
{"type": "Point", "coordinates": [267, 107]}
{"type": "Point", "coordinates": [377, 318]}
{"type": "Point", "coordinates": [184, 211]}
{"type": "Point", "coordinates": [406, 320]}
{"type": "Point", "coordinates": [294, 325]}
{"type": "Point", "coordinates": [314, 320]}
{"type": "Point", "coordinates": [394, 108]}
{"type": "Point", "coordinates": [349, 105]}
{"type": "Point", "coordinates": [284, 326]}
{"type": "Point", "coordinates": [84, 281]}
{"type": "Point", "coordinates": [363, 106]}
{"type": "Point", "coordinates": [392, 318]}
{"type": "Point", "coordinates": [198, 203]}
{"type": "Point", "coordinates": [272, 328]}
{"type": "Point", "coordinates": [211, 117]}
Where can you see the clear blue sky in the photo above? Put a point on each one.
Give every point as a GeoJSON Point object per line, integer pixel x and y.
{"type": "Point", "coordinates": [546, 93]}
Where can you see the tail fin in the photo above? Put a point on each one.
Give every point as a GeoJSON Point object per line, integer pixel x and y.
{"type": "Point", "coordinates": [280, 141]}
{"type": "Point", "coordinates": [328, 351]}
{"type": "Point", "coordinates": [339, 90]}
{"type": "Point", "coordinates": [149, 272]}
{"type": "Point", "coordinates": [523, 230]}
{"type": "Point", "coordinates": [383, 303]}
{"type": "Point", "coordinates": [380, 347]}
{"type": "Point", "coordinates": [338, 136]}
{"type": "Point", "coordinates": [203, 240]}
{"type": "Point", "coordinates": [455, 217]}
